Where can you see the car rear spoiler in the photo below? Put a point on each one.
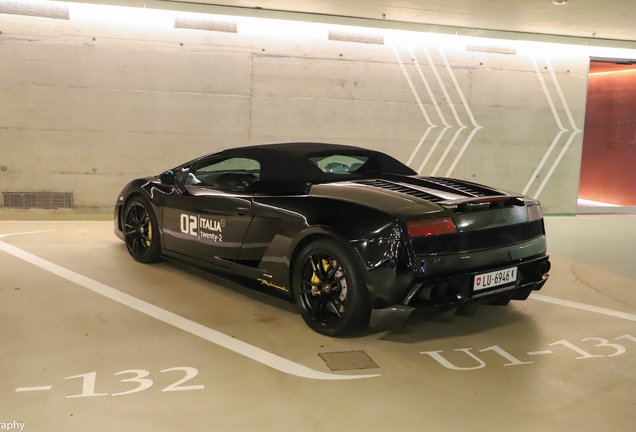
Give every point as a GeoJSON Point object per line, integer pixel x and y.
{"type": "Point", "coordinates": [482, 202]}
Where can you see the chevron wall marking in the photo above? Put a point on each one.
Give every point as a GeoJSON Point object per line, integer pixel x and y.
{"type": "Point", "coordinates": [436, 105]}
{"type": "Point", "coordinates": [556, 138]}
{"type": "Point", "coordinates": [419, 103]}
{"type": "Point", "coordinates": [461, 126]}
{"type": "Point", "coordinates": [468, 110]}
{"type": "Point", "coordinates": [450, 103]}
{"type": "Point", "coordinates": [575, 131]}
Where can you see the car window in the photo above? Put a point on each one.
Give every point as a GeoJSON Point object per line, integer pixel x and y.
{"type": "Point", "coordinates": [229, 174]}
{"type": "Point", "coordinates": [339, 164]}
{"type": "Point", "coordinates": [180, 174]}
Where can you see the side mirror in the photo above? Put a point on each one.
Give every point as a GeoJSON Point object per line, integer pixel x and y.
{"type": "Point", "coordinates": [168, 178]}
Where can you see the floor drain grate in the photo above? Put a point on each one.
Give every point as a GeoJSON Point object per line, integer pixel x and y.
{"type": "Point", "coordinates": [348, 360]}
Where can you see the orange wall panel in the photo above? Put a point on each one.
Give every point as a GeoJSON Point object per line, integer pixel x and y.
{"type": "Point", "coordinates": [608, 166]}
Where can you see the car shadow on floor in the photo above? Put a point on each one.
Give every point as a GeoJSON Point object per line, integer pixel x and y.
{"type": "Point", "coordinates": [416, 330]}
{"type": "Point", "coordinates": [485, 320]}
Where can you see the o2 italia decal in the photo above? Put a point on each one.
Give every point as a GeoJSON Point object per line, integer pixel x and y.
{"type": "Point", "coordinates": [202, 228]}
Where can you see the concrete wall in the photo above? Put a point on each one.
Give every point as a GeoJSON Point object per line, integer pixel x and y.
{"type": "Point", "coordinates": [86, 108]}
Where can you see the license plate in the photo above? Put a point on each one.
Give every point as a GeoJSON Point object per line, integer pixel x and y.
{"type": "Point", "coordinates": [493, 279]}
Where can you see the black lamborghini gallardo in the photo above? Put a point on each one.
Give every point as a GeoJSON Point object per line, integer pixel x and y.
{"type": "Point", "coordinates": [351, 235]}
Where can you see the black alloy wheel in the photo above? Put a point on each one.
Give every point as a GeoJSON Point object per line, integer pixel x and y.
{"type": "Point", "coordinates": [140, 231]}
{"type": "Point", "coordinates": [330, 289]}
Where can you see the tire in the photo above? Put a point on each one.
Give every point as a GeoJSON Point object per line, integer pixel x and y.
{"type": "Point", "coordinates": [329, 289]}
{"type": "Point", "coordinates": [141, 231]}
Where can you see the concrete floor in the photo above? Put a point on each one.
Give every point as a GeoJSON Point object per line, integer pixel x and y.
{"type": "Point", "coordinates": [72, 338]}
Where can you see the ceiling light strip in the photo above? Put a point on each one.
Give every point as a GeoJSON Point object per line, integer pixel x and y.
{"type": "Point", "coordinates": [393, 32]}
{"type": "Point", "coordinates": [205, 24]}
{"type": "Point", "coordinates": [350, 35]}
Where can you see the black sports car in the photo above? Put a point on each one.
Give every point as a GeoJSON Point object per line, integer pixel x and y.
{"type": "Point", "coordinates": [351, 235]}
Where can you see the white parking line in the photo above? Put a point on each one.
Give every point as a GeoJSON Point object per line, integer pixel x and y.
{"type": "Point", "coordinates": [27, 389]}
{"type": "Point", "coordinates": [239, 347]}
{"type": "Point", "coordinates": [583, 306]}
{"type": "Point", "coordinates": [532, 353]}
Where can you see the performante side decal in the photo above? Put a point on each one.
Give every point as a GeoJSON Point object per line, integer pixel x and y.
{"type": "Point", "coordinates": [269, 284]}
{"type": "Point", "coordinates": [202, 228]}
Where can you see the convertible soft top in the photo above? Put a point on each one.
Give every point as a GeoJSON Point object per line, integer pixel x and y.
{"type": "Point", "coordinates": [290, 162]}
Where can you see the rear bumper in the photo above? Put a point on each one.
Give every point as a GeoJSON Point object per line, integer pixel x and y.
{"type": "Point", "coordinates": [457, 295]}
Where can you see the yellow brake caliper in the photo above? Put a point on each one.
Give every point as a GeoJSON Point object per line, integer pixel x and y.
{"type": "Point", "coordinates": [149, 234]}
{"type": "Point", "coordinates": [314, 278]}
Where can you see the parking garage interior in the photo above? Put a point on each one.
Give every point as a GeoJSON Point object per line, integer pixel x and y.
{"type": "Point", "coordinates": [531, 97]}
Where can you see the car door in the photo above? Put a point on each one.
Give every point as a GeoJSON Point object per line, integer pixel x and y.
{"type": "Point", "coordinates": [208, 215]}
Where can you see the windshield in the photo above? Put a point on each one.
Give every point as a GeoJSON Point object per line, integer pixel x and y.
{"type": "Point", "coordinates": [339, 164]}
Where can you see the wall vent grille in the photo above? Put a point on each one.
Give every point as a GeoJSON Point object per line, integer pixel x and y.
{"type": "Point", "coordinates": [358, 37]}
{"type": "Point", "coordinates": [41, 10]}
{"type": "Point", "coordinates": [205, 24]}
{"type": "Point", "coordinates": [41, 200]}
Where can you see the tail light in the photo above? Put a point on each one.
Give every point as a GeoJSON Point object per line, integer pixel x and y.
{"type": "Point", "coordinates": [431, 227]}
{"type": "Point", "coordinates": [534, 213]}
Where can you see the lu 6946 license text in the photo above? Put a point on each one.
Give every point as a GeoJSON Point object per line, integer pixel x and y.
{"type": "Point", "coordinates": [496, 278]}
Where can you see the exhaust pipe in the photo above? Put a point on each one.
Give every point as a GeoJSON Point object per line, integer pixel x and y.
{"type": "Point", "coordinates": [544, 268]}
{"type": "Point", "coordinates": [436, 292]}
{"type": "Point", "coordinates": [429, 293]}
{"type": "Point", "coordinates": [446, 292]}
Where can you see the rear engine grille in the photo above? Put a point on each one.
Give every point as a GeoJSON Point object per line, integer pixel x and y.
{"type": "Point", "coordinates": [464, 186]}
{"type": "Point", "coordinates": [383, 184]}
{"type": "Point", "coordinates": [473, 241]}
{"type": "Point", "coordinates": [41, 200]}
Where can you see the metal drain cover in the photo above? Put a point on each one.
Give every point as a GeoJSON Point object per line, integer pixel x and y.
{"type": "Point", "coordinates": [348, 360]}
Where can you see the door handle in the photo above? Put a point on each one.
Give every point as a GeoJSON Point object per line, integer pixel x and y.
{"type": "Point", "coordinates": [241, 211]}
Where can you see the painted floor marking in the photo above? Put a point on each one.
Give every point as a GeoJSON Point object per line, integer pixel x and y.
{"type": "Point", "coordinates": [26, 389]}
{"type": "Point", "coordinates": [531, 353]}
{"type": "Point", "coordinates": [584, 307]}
{"type": "Point", "coordinates": [218, 338]}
